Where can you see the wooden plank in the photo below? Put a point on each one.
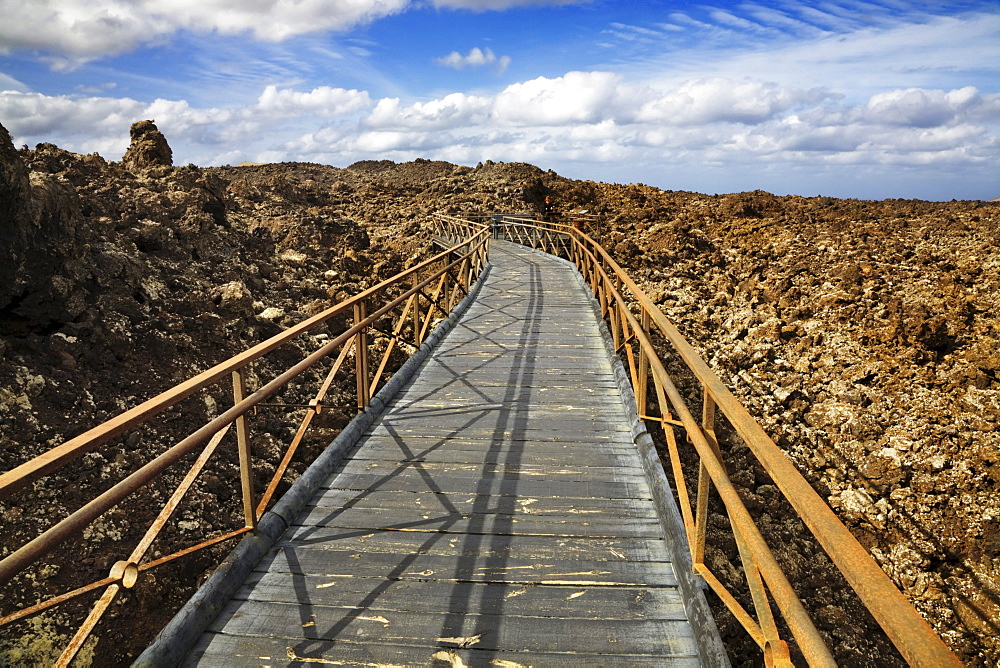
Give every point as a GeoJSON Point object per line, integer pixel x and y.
{"type": "Point", "coordinates": [457, 597]}
{"type": "Point", "coordinates": [307, 561]}
{"type": "Point", "coordinates": [594, 439]}
{"type": "Point", "coordinates": [437, 520]}
{"type": "Point", "coordinates": [551, 457]}
{"type": "Point", "coordinates": [412, 481]}
{"type": "Point", "coordinates": [531, 548]}
{"type": "Point", "coordinates": [532, 384]}
{"type": "Point", "coordinates": [485, 503]}
{"type": "Point", "coordinates": [591, 416]}
{"type": "Point", "coordinates": [254, 652]}
{"type": "Point", "coordinates": [450, 395]}
{"type": "Point", "coordinates": [433, 630]}
{"type": "Point", "coordinates": [498, 426]}
{"type": "Point", "coordinates": [416, 445]}
{"type": "Point", "coordinates": [512, 469]}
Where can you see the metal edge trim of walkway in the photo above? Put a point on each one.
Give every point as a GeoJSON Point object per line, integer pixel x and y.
{"type": "Point", "coordinates": [177, 638]}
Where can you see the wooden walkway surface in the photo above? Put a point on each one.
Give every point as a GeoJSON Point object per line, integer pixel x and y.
{"type": "Point", "coordinates": [496, 514]}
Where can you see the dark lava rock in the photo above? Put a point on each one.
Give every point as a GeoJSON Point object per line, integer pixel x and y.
{"type": "Point", "coordinates": [39, 214]}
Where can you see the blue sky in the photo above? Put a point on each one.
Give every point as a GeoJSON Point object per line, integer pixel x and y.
{"type": "Point", "coordinates": [850, 98]}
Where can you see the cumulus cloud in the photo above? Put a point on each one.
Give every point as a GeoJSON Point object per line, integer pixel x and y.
{"type": "Point", "coordinates": [81, 29]}
{"type": "Point", "coordinates": [452, 111]}
{"type": "Point", "coordinates": [82, 123]}
{"type": "Point", "coordinates": [921, 108]}
{"type": "Point", "coordinates": [723, 100]}
{"type": "Point", "coordinates": [323, 101]}
{"type": "Point", "coordinates": [74, 31]}
{"type": "Point", "coordinates": [592, 118]}
{"type": "Point", "coordinates": [576, 97]}
{"type": "Point", "coordinates": [475, 58]}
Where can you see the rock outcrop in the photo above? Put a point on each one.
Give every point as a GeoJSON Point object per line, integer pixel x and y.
{"type": "Point", "coordinates": [39, 214]}
{"type": "Point", "coordinates": [149, 148]}
{"type": "Point", "coordinates": [15, 216]}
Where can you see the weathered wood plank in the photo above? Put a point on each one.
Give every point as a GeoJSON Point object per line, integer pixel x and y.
{"type": "Point", "coordinates": [511, 469]}
{"type": "Point", "coordinates": [529, 548]}
{"type": "Point", "coordinates": [413, 481]}
{"type": "Point", "coordinates": [252, 652]}
{"type": "Point", "coordinates": [485, 503]}
{"type": "Point", "coordinates": [459, 597]}
{"type": "Point", "coordinates": [487, 632]}
{"type": "Point", "coordinates": [440, 520]}
{"type": "Point", "coordinates": [463, 568]}
{"type": "Point", "coordinates": [485, 452]}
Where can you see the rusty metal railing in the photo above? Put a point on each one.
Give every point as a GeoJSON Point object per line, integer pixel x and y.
{"type": "Point", "coordinates": [636, 324]}
{"type": "Point", "coordinates": [417, 298]}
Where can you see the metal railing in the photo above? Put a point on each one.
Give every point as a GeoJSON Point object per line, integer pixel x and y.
{"type": "Point", "coordinates": [417, 298]}
{"type": "Point", "coordinates": [636, 325]}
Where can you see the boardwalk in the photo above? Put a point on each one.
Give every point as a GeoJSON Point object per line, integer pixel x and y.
{"type": "Point", "coordinates": [496, 514]}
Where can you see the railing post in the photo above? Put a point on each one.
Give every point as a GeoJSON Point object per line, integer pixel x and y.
{"type": "Point", "coordinates": [416, 311]}
{"type": "Point", "coordinates": [704, 480]}
{"type": "Point", "coordinates": [643, 385]}
{"type": "Point", "coordinates": [445, 293]}
{"type": "Point", "coordinates": [243, 444]}
{"type": "Point", "coordinates": [361, 356]}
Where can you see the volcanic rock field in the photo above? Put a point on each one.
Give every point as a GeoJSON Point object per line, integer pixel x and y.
{"type": "Point", "coordinates": [864, 336]}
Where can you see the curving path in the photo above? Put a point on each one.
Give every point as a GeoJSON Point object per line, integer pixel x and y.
{"type": "Point", "coordinates": [497, 513]}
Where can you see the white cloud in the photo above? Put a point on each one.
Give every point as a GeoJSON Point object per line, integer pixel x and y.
{"type": "Point", "coordinates": [41, 116]}
{"type": "Point", "coordinates": [10, 83]}
{"type": "Point", "coordinates": [722, 100]}
{"type": "Point", "coordinates": [78, 123]}
{"type": "Point", "coordinates": [71, 32]}
{"type": "Point", "coordinates": [452, 111]}
{"type": "Point", "coordinates": [475, 58]}
{"type": "Point", "coordinates": [598, 119]}
{"type": "Point", "coordinates": [921, 108]}
{"type": "Point", "coordinates": [77, 30]}
{"type": "Point", "coordinates": [323, 101]}
{"type": "Point", "coordinates": [577, 97]}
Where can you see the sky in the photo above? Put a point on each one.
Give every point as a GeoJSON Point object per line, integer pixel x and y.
{"type": "Point", "coordinates": [870, 99]}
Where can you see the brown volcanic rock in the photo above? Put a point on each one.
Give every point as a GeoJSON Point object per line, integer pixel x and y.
{"type": "Point", "coordinates": [864, 337]}
{"type": "Point", "coordinates": [149, 148]}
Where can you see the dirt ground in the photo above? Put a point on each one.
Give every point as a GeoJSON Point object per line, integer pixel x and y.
{"type": "Point", "coordinates": [862, 335]}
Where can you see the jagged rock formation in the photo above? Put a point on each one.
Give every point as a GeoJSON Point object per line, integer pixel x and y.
{"type": "Point", "coordinates": [15, 217]}
{"type": "Point", "coordinates": [148, 148]}
{"type": "Point", "coordinates": [39, 214]}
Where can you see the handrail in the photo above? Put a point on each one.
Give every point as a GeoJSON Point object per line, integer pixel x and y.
{"type": "Point", "coordinates": [904, 626]}
{"type": "Point", "coordinates": [17, 478]}
{"type": "Point", "coordinates": [426, 292]}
